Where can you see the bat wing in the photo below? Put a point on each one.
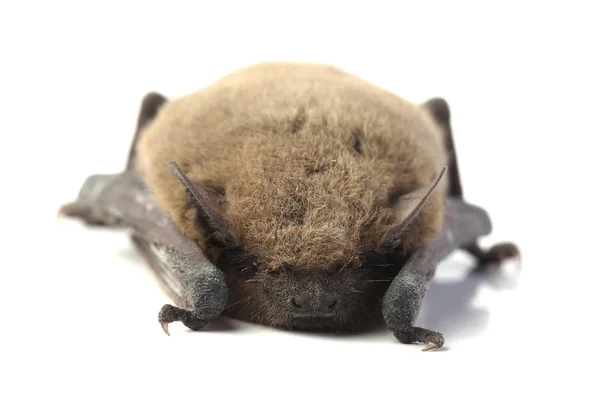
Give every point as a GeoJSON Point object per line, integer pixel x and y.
{"type": "Point", "coordinates": [122, 200]}
{"type": "Point", "coordinates": [463, 224]}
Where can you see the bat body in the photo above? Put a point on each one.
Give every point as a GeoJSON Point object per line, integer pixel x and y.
{"type": "Point", "coordinates": [293, 195]}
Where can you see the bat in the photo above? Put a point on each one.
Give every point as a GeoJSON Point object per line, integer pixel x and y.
{"type": "Point", "coordinates": [293, 195]}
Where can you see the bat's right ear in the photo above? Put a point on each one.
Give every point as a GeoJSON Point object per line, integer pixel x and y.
{"type": "Point", "coordinates": [151, 104]}
{"type": "Point", "coordinates": [409, 205]}
{"type": "Point", "coordinates": [207, 219]}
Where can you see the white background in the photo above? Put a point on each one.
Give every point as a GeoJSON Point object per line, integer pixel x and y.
{"type": "Point", "coordinates": [79, 307]}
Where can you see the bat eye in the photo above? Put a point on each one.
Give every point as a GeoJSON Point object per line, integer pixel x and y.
{"type": "Point", "coordinates": [286, 267]}
{"type": "Point", "coordinates": [252, 267]}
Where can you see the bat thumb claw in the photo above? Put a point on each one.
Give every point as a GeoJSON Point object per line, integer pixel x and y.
{"type": "Point", "coordinates": [430, 346]}
{"type": "Point", "coordinates": [165, 326]}
{"type": "Point", "coordinates": [73, 210]}
{"type": "Point", "coordinates": [66, 210]}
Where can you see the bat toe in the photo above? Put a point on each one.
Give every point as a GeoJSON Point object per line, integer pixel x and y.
{"type": "Point", "coordinates": [169, 314]}
{"type": "Point", "coordinates": [165, 326]}
{"type": "Point", "coordinates": [496, 256]}
{"type": "Point", "coordinates": [433, 340]}
{"type": "Point", "coordinates": [503, 251]}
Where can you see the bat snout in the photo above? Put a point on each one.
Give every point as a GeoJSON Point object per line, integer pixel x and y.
{"type": "Point", "coordinates": [323, 305]}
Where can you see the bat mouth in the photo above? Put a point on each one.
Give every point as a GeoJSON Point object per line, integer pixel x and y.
{"type": "Point", "coordinates": [313, 323]}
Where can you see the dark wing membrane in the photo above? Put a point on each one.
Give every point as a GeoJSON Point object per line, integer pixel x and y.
{"type": "Point", "coordinates": [124, 200]}
{"type": "Point", "coordinates": [156, 256]}
{"type": "Point", "coordinates": [463, 224]}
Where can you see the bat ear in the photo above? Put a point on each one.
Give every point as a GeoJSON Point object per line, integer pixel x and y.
{"type": "Point", "coordinates": [151, 104]}
{"type": "Point", "coordinates": [439, 109]}
{"type": "Point", "coordinates": [207, 219]}
{"type": "Point", "coordinates": [410, 205]}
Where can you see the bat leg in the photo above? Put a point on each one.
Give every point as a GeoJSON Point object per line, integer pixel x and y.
{"type": "Point", "coordinates": [401, 305]}
{"type": "Point", "coordinates": [169, 313]}
{"type": "Point", "coordinates": [88, 214]}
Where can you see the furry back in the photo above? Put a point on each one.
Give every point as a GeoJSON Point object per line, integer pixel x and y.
{"type": "Point", "coordinates": [304, 160]}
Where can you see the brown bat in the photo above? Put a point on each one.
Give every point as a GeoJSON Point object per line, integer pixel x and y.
{"type": "Point", "coordinates": [293, 195]}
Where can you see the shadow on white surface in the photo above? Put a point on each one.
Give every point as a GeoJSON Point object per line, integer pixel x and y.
{"type": "Point", "coordinates": [451, 306]}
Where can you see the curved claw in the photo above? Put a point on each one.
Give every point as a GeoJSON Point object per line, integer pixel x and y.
{"type": "Point", "coordinates": [169, 313]}
{"type": "Point", "coordinates": [165, 326]}
{"type": "Point", "coordinates": [430, 346]}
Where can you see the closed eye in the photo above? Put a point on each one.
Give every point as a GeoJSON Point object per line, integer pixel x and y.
{"type": "Point", "coordinates": [253, 267]}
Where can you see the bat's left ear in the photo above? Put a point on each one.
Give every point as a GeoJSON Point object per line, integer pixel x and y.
{"type": "Point", "coordinates": [151, 104]}
{"type": "Point", "coordinates": [410, 205]}
{"type": "Point", "coordinates": [207, 218]}
{"type": "Point", "coordinates": [439, 109]}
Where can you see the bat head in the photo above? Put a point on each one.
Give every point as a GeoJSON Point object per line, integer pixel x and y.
{"type": "Point", "coordinates": [318, 275]}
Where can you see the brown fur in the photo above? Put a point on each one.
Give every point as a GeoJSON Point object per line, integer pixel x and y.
{"type": "Point", "coordinates": [309, 158]}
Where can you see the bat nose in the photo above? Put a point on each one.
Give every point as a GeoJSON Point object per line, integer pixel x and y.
{"type": "Point", "coordinates": [324, 304]}
{"type": "Point", "coordinates": [327, 303]}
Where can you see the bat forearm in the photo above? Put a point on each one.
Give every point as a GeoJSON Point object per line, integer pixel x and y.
{"type": "Point", "coordinates": [402, 300]}
{"type": "Point", "coordinates": [401, 306]}
{"type": "Point", "coordinates": [196, 284]}
{"type": "Point", "coordinates": [207, 291]}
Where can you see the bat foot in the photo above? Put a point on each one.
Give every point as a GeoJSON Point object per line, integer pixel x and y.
{"type": "Point", "coordinates": [433, 340]}
{"type": "Point", "coordinates": [495, 256]}
{"type": "Point", "coordinates": [169, 313]}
